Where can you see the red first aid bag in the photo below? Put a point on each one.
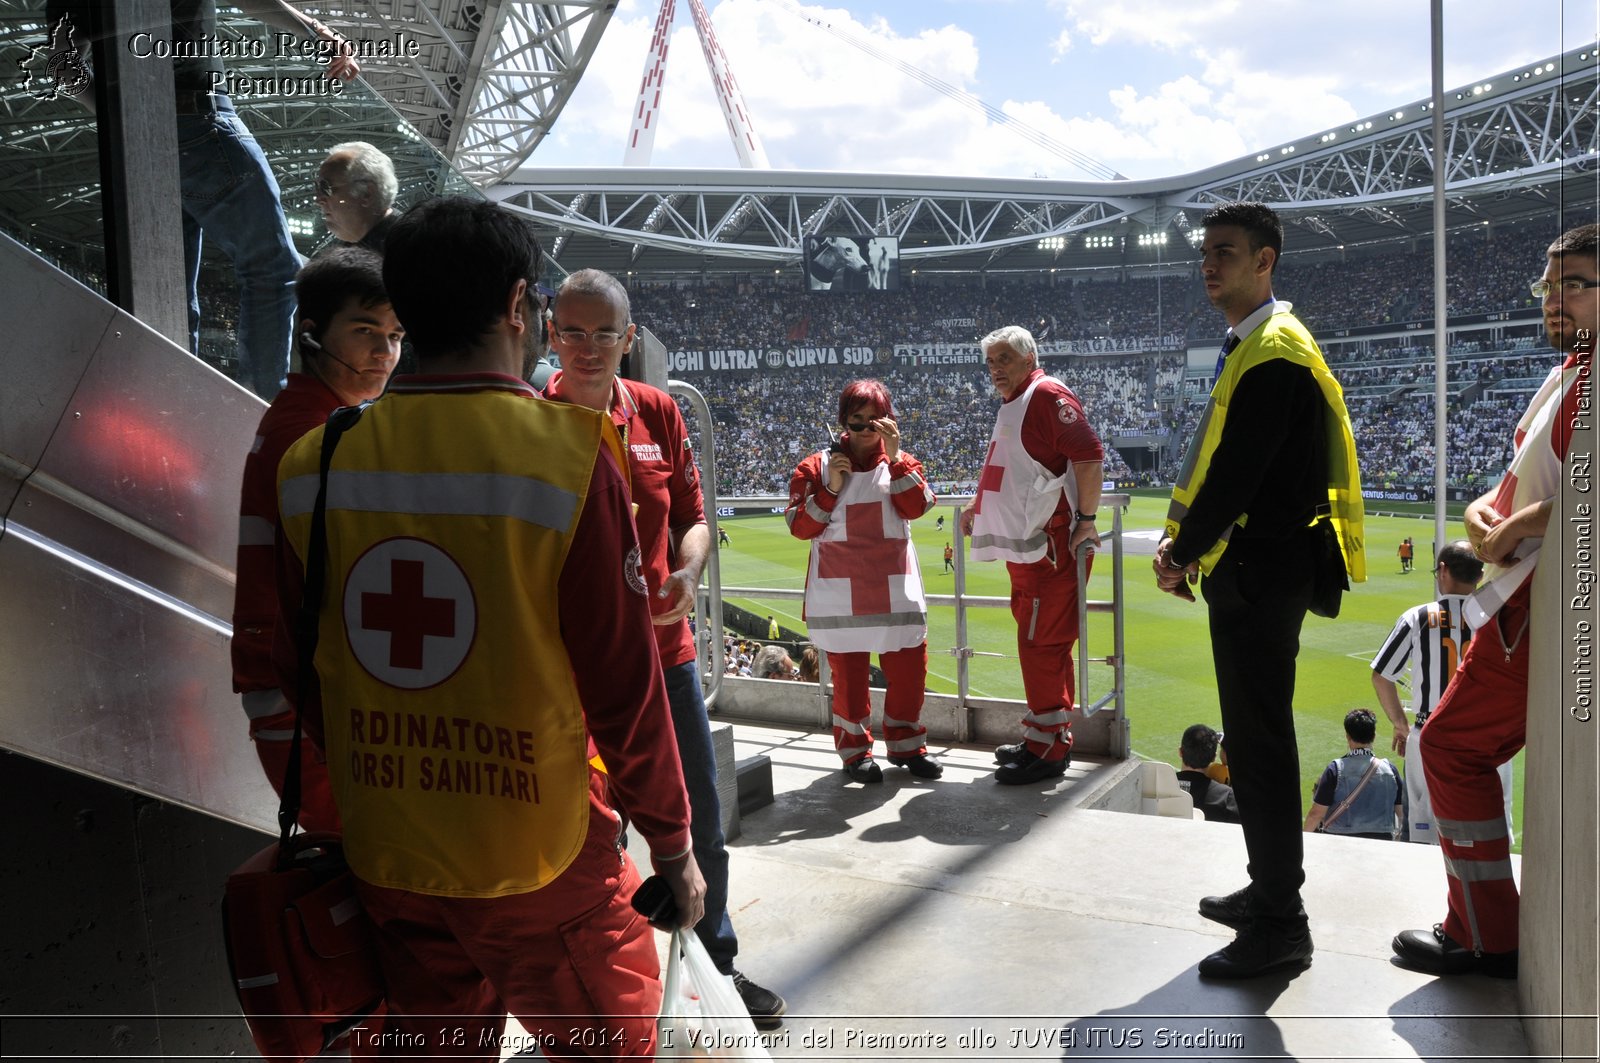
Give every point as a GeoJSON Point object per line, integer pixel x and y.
{"type": "Point", "coordinates": [299, 947]}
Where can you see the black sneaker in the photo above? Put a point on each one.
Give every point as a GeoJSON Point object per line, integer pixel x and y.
{"type": "Point", "coordinates": [766, 1008]}
{"type": "Point", "coordinates": [1435, 952]}
{"type": "Point", "coordinates": [1008, 754]}
{"type": "Point", "coordinates": [1030, 768]}
{"type": "Point", "coordinates": [1232, 910]}
{"type": "Point", "coordinates": [864, 769]}
{"type": "Point", "coordinates": [921, 765]}
{"type": "Point", "coordinates": [1261, 948]}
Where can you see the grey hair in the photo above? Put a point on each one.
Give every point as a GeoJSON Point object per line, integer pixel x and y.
{"type": "Point", "coordinates": [1016, 337]}
{"type": "Point", "coordinates": [769, 662]}
{"type": "Point", "coordinates": [369, 166]}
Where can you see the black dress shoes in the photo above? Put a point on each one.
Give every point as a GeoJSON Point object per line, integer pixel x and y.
{"type": "Point", "coordinates": [1435, 952]}
{"type": "Point", "coordinates": [864, 769]}
{"type": "Point", "coordinates": [1259, 949]}
{"type": "Point", "coordinates": [1029, 767]}
{"type": "Point", "coordinates": [921, 765]}
{"type": "Point", "coordinates": [1232, 910]}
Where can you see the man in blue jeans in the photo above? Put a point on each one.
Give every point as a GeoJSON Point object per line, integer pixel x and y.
{"type": "Point", "coordinates": [591, 330]}
{"type": "Point", "coordinates": [229, 193]}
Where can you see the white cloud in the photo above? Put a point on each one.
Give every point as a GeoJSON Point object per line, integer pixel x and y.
{"type": "Point", "coordinates": [1152, 88]}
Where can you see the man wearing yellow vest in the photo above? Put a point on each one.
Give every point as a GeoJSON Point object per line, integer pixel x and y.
{"type": "Point", "coordinates": [1273, 451]}
{"type": "Point", "coordinates": [482, 570]}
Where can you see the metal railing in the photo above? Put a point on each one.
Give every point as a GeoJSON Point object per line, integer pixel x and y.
{"type": "Point", "coordinates": [1114, 697]}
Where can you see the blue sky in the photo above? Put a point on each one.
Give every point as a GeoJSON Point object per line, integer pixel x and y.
{"type": "Point", "coordinates": [1149, 88]}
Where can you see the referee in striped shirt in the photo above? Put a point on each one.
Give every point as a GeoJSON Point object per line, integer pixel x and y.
{"type": "Point", "coordinates": [1428, 641]}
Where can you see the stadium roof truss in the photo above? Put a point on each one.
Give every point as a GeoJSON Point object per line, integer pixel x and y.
{"type": "Point", "coordinates": [491, 77]}
{"type": "Point", "coordinates": [1516, 145]}
{"type": "Point", "coordinates": [480, 82]}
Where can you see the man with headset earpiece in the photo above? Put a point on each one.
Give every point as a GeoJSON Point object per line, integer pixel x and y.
{"type": "Point", "coordinates": [349, 342]}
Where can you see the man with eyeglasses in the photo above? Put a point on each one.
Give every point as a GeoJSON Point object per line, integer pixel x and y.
{"type": "Point", "coordinates": [591, 332]}
{"type": "Point", "coordinates": [1034, 506]}
{"type": "Point", "coordinates": [1482, 720]}
{"type": "Point", "coordinates": [480, 574]}
{"type": "Point", "coordinates": [356, 187]}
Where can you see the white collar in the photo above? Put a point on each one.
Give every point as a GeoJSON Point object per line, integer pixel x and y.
{"type": "Point", "coordinates": [1257, 317]}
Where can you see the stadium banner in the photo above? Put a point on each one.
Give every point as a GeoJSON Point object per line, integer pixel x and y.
{"type": "Point", "coordinates": [739, 360]}
{"type": "Point", "coordinates": [941, 354]}
{"type": "Point", "coordinates": [749, 509]}
{"type": "Point", "coordinates": [1415, 494]}
{"type": "Point", "coordinates": [765, 359]}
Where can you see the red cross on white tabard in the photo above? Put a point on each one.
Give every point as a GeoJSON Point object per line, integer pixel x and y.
{"type": "Point", "coordinates": [857, 561]}
{"type": "Point", "coordinates": [991, 479]}
{"type": "Point", "coordinates": [407, 614]}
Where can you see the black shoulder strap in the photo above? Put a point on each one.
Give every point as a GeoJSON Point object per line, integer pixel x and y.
{"type": "Point", "coordinates": [305, 625]}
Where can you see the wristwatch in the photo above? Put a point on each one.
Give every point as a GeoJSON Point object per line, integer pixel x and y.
{"type": "Point", "coordinates": [1083, 517]}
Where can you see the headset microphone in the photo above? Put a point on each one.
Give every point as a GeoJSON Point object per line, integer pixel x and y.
{"type": "Point", "coordinates": [310, 341]}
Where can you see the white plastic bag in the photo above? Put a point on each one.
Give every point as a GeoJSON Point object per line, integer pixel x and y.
{"type": "Point", "coordinates": [702, 1016]}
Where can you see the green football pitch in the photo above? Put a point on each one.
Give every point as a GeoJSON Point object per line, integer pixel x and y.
{"type": "Point", "coordinates": [1170, 682]}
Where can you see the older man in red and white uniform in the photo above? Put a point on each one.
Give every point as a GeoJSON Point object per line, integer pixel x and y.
{"type": "Point", "coordinates": [855, 503]}
{"type": "Point", "coordinates": [1482, 720]}
{"type": "Point", "coordinates": [1034, 507]}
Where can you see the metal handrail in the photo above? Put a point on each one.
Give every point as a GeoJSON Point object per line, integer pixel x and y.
{"type": "Point", "coordinates": [1115, 697]}
{"type": "Point", "coordinates": [708, 597]}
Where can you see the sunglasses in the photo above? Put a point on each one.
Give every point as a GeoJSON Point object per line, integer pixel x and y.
{"type": "Point", "coordinates": [860, 426]}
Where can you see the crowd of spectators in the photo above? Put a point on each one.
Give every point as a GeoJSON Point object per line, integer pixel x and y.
{"type": "Point", "coordinates": [767, 421]}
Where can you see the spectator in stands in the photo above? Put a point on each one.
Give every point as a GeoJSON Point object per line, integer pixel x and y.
{"type": "Point", "coordinates": [810, 666]}
{"type": "Point", "coordinates": [349, 342]}
{"type": "Point", "coordinates": [592, 328]}
{"type": "Point", "coordinates": [774, 662]}
{"type": "Point", "coordinates": [1034, 508]}
{"type": "Point", "coordinates": [1196, 751]}
{"type": "Point", "coordinates": [1482, 720]}
{"type": "Point", "coordinates": [854, 503]}
{"type": "Point", "coordinates": [356, 188]}
{"type": "Point", "coordinates": [1359, 794]}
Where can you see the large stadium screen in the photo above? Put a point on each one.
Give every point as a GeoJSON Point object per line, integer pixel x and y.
{"type": "Point", "coordinates": [852, 263]}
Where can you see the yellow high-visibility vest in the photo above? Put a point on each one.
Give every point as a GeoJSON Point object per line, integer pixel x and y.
{"type": "Point", "coordinates": [1281, 335]}
{"type": "Point", "coordinates": [455, 739]}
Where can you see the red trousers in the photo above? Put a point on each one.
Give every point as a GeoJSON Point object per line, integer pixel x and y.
{"type": "Point", "coordinates": [1044, 602]}
{"type": "Point", "coordinates": [573, 962]}
{"type": "Point", "coordinates": [1481, 723]}
{"type": "Point", "coordinates": [273, 736]}
{"type": "Point", "coordinates": [905, 674]}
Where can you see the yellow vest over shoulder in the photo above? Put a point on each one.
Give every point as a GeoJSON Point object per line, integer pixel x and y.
{"type": "Point", "coordinates": [454, 734]}
{"type": "Point", "coordinates": [1281, 335]}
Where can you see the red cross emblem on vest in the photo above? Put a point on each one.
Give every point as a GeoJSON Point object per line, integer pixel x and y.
{"type": "Point", "coordinates": [409, 612]}
{"type": "Point", "coordinates": [865, 557]}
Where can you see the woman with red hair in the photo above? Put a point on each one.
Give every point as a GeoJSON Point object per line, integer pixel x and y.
{"type": "Point", "coordinates": [855, 502]}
